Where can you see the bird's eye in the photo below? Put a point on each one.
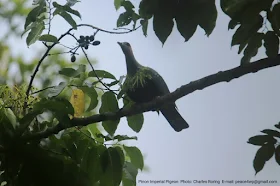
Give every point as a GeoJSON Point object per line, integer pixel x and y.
{"type": "Point", "coordinates": [127, 44]}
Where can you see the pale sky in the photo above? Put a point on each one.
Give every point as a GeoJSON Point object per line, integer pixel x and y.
{"type": "Point", "coordinates": [221, 117]}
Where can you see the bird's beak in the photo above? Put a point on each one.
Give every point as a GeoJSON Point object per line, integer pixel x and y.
{"type": "Point", "coordinates": [119, 43]}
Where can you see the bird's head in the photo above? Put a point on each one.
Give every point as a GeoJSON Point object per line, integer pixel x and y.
{"type": "Point", "coordinates": [126, 48]}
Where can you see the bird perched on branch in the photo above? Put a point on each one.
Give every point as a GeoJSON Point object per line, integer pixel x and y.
{"type": "Point", "coordinates": [144, 84]}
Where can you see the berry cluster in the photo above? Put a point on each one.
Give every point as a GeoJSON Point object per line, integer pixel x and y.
{"type": "Point", "coordinates": [85, 41]}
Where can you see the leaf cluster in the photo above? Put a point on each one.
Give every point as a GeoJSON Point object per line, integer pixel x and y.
{"type": "Point", "coordinates": [269, 146]}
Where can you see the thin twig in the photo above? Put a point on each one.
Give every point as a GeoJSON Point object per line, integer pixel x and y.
{"type": "Point", "coordinates": [42, 90]}
{"type": "Point", "coordinates": [50, 15]}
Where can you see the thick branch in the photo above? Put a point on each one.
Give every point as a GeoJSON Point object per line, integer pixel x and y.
{"type": "Point", "coordinates": [184, 90]}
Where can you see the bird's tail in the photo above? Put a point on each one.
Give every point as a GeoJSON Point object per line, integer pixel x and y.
{"type": "Point", "coordinates": [174, 118]}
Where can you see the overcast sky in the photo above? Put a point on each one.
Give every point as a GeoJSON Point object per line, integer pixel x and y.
{"type": "Point", "coordinates": [221, 117]}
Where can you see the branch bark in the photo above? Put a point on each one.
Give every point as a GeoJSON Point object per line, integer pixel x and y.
{"type": "Point", "coordinates": [222, 76]}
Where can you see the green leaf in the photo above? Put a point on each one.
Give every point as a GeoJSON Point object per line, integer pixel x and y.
{"type": "Point", "coordinates": [270, 132]}
{"type": "Point", "coordinates": [127, 5]}
{"type": "Point", "coordinates": [129, 174]}
{"type": "Point", "coordinates": [263, 154]}
{"type": "Point", "coordinates": [113, 83]}
{"type": "Point", "coordinates": [135, 156]}
{"type": "Point", "coordinates": [95, 132]}
{"type": "Point", "coordinates": [35, 33]}
{"type": "Point", "coordinates": [11, 117]}
{"type": "Point", "coordinates": [186, 19]}
{"type": "Point", "coordinates": [277, 154]}
{"type": "Point", "coordinates": [118, 3]}
{"type": "Point", "coordinates": [48, 38]}
{"type": "Point", "coordinates": [208, 15]}
{"type": "Point", "coordinates": [135, 122]}
{"type": "Point", "coordinates": [271, 44]}
{"type": "Point", "coordinates": [68, 18]}
{"type": "Point", "coordinates": [70, 72]}
{"type": "Point", "coordinates": [28, 118]}
{"type": "Point", "coordinates": [101, 74]}
{"type": "Point", "coordinates": [163, 26]}
{"type": "Point", "coordinates": [277, 125]}
{"type": "Point", "coordinates": [109, 104]}
{"type": "Point", "coordinates": [55, 91]}
{"type": "Point", "coordinates": [232, 24]}
{"type": "Point", "coordinates": [66, 8]}
{"type": "Point", "coordinates": [124, 19]}
{"type": "Point", "coordinates": [91, 92]}
{"type": "Point", "coordinates": [261, 140]}
{"type": "Point", "coordinates": [72, 11]}
{"type": "Point", "coordinates": [124, 137]}
{"type": "Point", "coordinates": [59, 106]}
{"type": "Point", "coordinates": [33, 15]}
{"type": "Point", "coordinates": [144, 24]}
{"type": "Point", "coordinates": [91, 164]}
{"type": "Point", "coordinates": [252, 48]}
{"type": "Point", "coordinates": [6, 127]}
{"type": "Point", "coordinates": [245, 32]}
{"type": "Point", "coordinates": [244, 9]}
{"type": "Point", "coordinates": [147, 8]}
{"type": "Point", "coordinates": [273, 17]}
{"type": "Point", "coordinates": [112, 165]}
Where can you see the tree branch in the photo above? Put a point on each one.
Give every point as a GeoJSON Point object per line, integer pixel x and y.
{"type": "Point", "coordinates": [222, 76]}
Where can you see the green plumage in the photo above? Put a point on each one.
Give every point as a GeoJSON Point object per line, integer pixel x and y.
{"type": "Point", "coordinates": [144, 84]}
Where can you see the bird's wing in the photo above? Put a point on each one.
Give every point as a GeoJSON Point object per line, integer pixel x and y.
{"type": "Point", "coordinates": [159, 82]}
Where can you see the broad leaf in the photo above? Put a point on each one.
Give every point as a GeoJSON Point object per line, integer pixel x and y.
{"type": "Point", "coordinates": [147, 8]}
{"type": "Point", "coordinates": [70, 72]}
{"type": "Point", "coordinates": [68, 18]}
{"type": "Point", "coordinates": [127, 5]}
{"type": "Point", "coordinates": [124, 19]}
{"type": "Point", "coordinates": [55, 91]}
{"type": "Point", "coordinates": [33, 15]}
{"type": "Point", "coordinates": [245, 32]}
{"type": "Point", "coordinates": [101, 74]}
{"type": "Point", "coordinates": [109, 104]}
{"type": "Point", "coordinates": [118, 3]}
{"type": "Point", "coordinates": [144, 24]}
{"type": "Point", "coordinates": [252, 48]}
{"type": "Point", "coordinates": [244, 9]}
{"type": "Point", "coordinates": [129, 174]}
{"type": "Point", "coordinates": [208, 15]}
{"type": "Point", "coordinates": [135, 156]}
{"type": "Point", "coordinates": [270, 132]}
{"type": "Point", "coordinates": [78, 102]}
{"type": "Point", "coordinates": [48, 38]}
{"type": "Point", "coordinates": [135, 122]}
{"type": "Point", "coordinates": [232, 24]}
{"type": "Point", "coordinates": [163, 25]}
{"type": "Point", "coordinates": [66, 8]}
{"type": "Point", "coordinates": [124, 137]}
{"type": "Point", "coordinates": [92, 94]}
{"type": "Point", "coordinates": [35, 33]}
{"type": "Point", "coordinates": [263, 154]}
{"type": "Point", "coordinates": [271, 44]}
{"type": "Point", "coordinates": [112, 164]}
{"type": "Point", "coordinates": [60, 107]}
{"type": "Point", "coordinates": [91, 164]}
{"type": "Point", "coordinates": [277, 125]}
{"type": "Point", "coordinates": [186, 19]}
{"type": "Point", "coordinates": [261, 140]}
{"type": "Point", "coordinates": [277, 154]}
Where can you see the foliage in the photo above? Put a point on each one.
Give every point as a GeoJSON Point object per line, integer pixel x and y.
{"type": "Point", "coordinates": [269, 147]}
{"type": "Point", "coordinates": [75, 154]}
